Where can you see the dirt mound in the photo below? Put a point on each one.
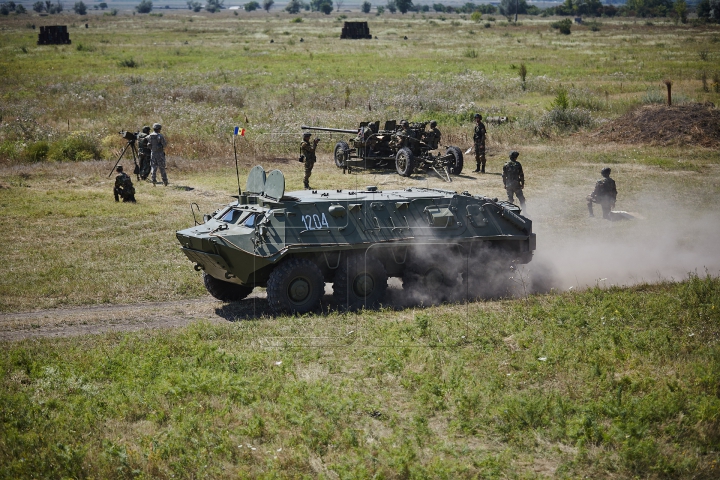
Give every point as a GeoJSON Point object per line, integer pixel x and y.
{"type": "Point", "coordinates": [689, 124]}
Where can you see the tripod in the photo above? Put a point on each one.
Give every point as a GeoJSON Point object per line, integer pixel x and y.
{"type": "Point", "coordinates": [131, 138]}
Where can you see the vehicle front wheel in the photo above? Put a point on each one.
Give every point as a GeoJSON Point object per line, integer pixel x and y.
{"type": "Point", "coordinates": [405, 162]}
{"type": "Point", "coordinates": [456, 165]}
{"type": "Point", "coordinates": [341, 154]}
{"type": "Point", "coordinates": [360, 281]}
{"type": "Point", "coordinates": [295, 286]}
{"type": "Point", "coordinates": [225, 291]}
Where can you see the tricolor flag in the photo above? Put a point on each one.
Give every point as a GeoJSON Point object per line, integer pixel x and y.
{"type": "Point", "coordinates": [240, 131]}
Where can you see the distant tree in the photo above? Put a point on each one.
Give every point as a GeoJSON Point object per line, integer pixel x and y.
{"type": "Point", "coordinates": [80, 8]}
{"type": "Point", "coordinates": [250, 6]}
{"type": "Point", "coordinates": [102, 5]}
{"type": "Point", "coordinates": [213, 6]}
{"type": "Point", "coordinates": [681, 10]}
{"type": "Point", "coordinates": [326, 7]}
{"type": "Point", "coordinates": [439, 7]}
{"type": "Point", "coordinates": [145, 6]}
{"type": "Point", "coordinates": [293, 6]}
{"type": "Point", "coordinates": [404, 5]}
{"type": "Point", "coordinates": [4, 9]}
{"type": "Point", "coordinates": [366, 7]}
{"type": "Point", "coordinates": [267, 5]}
{"type": "Point", "coordinates": [339, 4]}
{"type": "Point", "coordinates": [391, 6]}
{"type": "Point", "coordinates": [709, 10]}
{"type": "Point", "coordinates": [20, 10]}
{"type": "Point", "coordinates": [38, 6]}
{"type": "Point", "coordinates": [507, 7]}
{"type": "Point", "coordinates": [57, 8]}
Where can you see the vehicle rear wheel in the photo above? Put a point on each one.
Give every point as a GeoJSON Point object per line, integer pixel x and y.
{"type": "Point", "coordinates": [295, 286]}
{"type": "Point", "coordinates": [433, 281]}
{"type": "Point", "coordinates": [457, 164]}
{"type": "Point", "coordinates": [341, 154]}
{"type": "Point", "coordinates": [360, 281]}
{"type": "Point", "coordinates": [405, 162]}
{"type": "Point", "coordinates": [225, 291]}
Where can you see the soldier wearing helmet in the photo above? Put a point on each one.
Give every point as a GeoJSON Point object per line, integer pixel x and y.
{"type": "Point", "coordinates": [479, 139]}
{"type": "Point", "coordinates": [307, 155]}
{"type": "Point", "coordinates": [432, 137]}
{"type": "Point", "coordinates": [403, 135]}
{"type": "Point", "coordinates": [144, 152]}
{"type": "Point", "coordinates": [605, 194]}
{"type": "Point", "coordinates": [157, 143]}
{"type": "Point", "coordinates": [514, 179]}
{"type": "Point", "coordinates": [123, 186]}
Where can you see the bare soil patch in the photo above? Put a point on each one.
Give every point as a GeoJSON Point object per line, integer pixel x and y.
{"type": "Point", "coordinates": [688, 124]}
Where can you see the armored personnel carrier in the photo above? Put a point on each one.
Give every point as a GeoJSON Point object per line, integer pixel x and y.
{"type": "Point", "coordinates": [407, 151]}
{"type": "Point", "coordinates": [437, 241]}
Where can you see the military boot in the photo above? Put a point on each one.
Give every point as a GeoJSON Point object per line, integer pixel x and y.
{"type": "Point", "coordinates": [165, 182]}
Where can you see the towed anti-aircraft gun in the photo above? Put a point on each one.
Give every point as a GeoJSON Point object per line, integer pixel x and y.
{"type": "Point", "coordinates": [393, 147]}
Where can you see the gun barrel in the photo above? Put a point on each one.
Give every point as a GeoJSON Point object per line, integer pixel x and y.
{"type": "Point", "coordinates": [324, 129]}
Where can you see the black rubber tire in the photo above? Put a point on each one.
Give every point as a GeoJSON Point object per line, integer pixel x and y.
{"type": "Point", "coordinates": [405, 162]}
{"type": "Point", "coordinates": [295, 286]}
{"type": "Point", "coordinates": [457, 165]}
{"type": "Point", "coordinates": [341, 154]}
{"type": "Point", "coordinates": [225, 291]}
{"type": "Point", "coordinates": [360, 282]}
{"type": "Point", "coordinates": [434, 282]}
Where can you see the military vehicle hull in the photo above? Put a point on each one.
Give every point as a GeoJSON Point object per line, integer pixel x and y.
{"type": "Point", "coordinates": [293, 243]}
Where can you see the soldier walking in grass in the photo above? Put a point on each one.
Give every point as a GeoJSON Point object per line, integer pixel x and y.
{"type": "Point", "coordinates": [479, 139]}
{"type": "Point", "coordinates": [307, 155]}
{"type": "Point", "coordinates": [514, 179]}
{"type": "Point", "coordinates": [605, 194]}
{"type": "Point", "coordinates": [144, 152]}
{"type": "Point", "coordinates": [123, 186]}
{"type": "Point", "coordinates": [157, 144]}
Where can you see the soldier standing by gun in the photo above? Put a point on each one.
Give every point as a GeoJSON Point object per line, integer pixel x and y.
{"type": "Point", "coordinates": [144, 153]}
{"type": "Point", "coordinates": [479, 139]}
{"type": "Point", "coordinates": [157, 143]}
{"type": "Point", "coordinates": [307, 155]}
{"type": "Point", "coordinates": [433, 136]}
{"type": "Point", "coordinates": [605, 194]}
{"type": "Point", "coordinates": [123, 186]}
{"type": "Point", "coordinates": [514, 179]}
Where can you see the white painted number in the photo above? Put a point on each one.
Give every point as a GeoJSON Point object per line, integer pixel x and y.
{"type": "Point", "coordinates": [315, 221]}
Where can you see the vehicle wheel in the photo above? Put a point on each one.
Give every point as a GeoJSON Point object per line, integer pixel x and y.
{"type": "Point", "coordinates": [435, 282]}
{"type": "Point", "coordinates": [360, 281]}
{"type": "Point", "coordinates": [457, 164]}
{"type": "Point", "coordinates": [405, 162]}
{"type": "Point", "coordinates": [225, 291]}
{"type": "Point", "coordinates": [341, 154]}
{"type": "Point", "coordinates": [295, 286]}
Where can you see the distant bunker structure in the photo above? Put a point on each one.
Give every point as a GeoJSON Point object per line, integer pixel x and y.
{"type": "Point", "coordinates": [355, 30]}
{"type": "Point", "coordinates": [54, 35]}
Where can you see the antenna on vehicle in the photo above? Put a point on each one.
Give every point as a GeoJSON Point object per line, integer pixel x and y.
{"type": "Point", "coordinates": [236, 132]}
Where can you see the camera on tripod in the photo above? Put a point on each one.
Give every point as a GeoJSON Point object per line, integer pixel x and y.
{"type": "Point", "coordinates": [129, 136]}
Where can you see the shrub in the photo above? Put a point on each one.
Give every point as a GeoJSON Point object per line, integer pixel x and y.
{"type": "Point", "coordinates": [129, 63]}
{"type": "Point", "coordinates": [563, 26]}
{"type": "Point", "coordinates": [77, 146]}
{"type": "Point", "coordinates": [38, 151]}
{"type": "Point", "coordinates": [567, 119]}
{"type": "Point", "coordinates": [561, 101]}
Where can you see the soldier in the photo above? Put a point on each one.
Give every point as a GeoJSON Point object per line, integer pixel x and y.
{"type": "Point", "coordinates": [479, 139]}
{"type": "Point", "coordinates": [433, 136]}
{"type": "Point", "coordinates": [307, 150]}
{"type": "Point", "coordinates": [605, 194]}
{"type": "Point", "coordinates": [123, 186]}
{"type": "Point", "coordinates": [402, 135]}
{"type": "Point", "coordinates": [514, 179]}
{"type": "Point", "coordinates": [144, 152]}
{"type": "Point", "coordinates": [157, 143]}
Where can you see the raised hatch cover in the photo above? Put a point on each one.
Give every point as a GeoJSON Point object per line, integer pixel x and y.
{"type": "Point", "coordinates": [256, 180]}
{"type": "Point", "coordinates": [275, 185]}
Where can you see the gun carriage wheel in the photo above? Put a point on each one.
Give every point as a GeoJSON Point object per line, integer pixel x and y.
{"type": "Point", "coordinates": [295, 286]}
{"type": "Point", "coordinates": [361, 281]}
{"type": "Point", "coordinates": [405, 162]}
{"type": "Point", "coordinates": [457, 163]}
{"type": "Point", "coordinates": [341, 154]}
{"type": "Point", "coordinates": [225, 291]}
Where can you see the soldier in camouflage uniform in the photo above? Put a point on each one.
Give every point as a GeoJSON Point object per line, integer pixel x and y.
{"type": "Point", "coordinates": [479, 139]}
{"type": "Point", "coordinates": [123, 186]}
{"type": "Point", "coordinates": [433, 136]}
{"type": "Point", "coordinates": [403, 135]}
{"type": "Point", "coordinates": [307, 150]}
{"type": "Point", "coordinates": [144, 153]}
{"type": "Point", "coordinates": [157, 143]}
{"type": "Point", "coordinates": [514, 179]}
{"type": "Point", "coordinates": [605, 194]}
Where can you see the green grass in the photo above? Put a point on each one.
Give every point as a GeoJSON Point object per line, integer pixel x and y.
{"type": "Point", "coordinates": [606, 382]}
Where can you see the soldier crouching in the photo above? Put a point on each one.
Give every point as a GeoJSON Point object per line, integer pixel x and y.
{"type": "Point", "coordinates": [123, 186]}
{"type": "Point", "coordinates": [605, 194]}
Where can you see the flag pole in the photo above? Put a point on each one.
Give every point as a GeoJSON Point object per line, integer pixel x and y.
{"type": "Point", "coordinates": [237, 169]}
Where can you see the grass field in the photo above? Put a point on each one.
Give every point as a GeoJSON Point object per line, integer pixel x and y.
{"type": "Point", "coordinates": [615, 377]}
